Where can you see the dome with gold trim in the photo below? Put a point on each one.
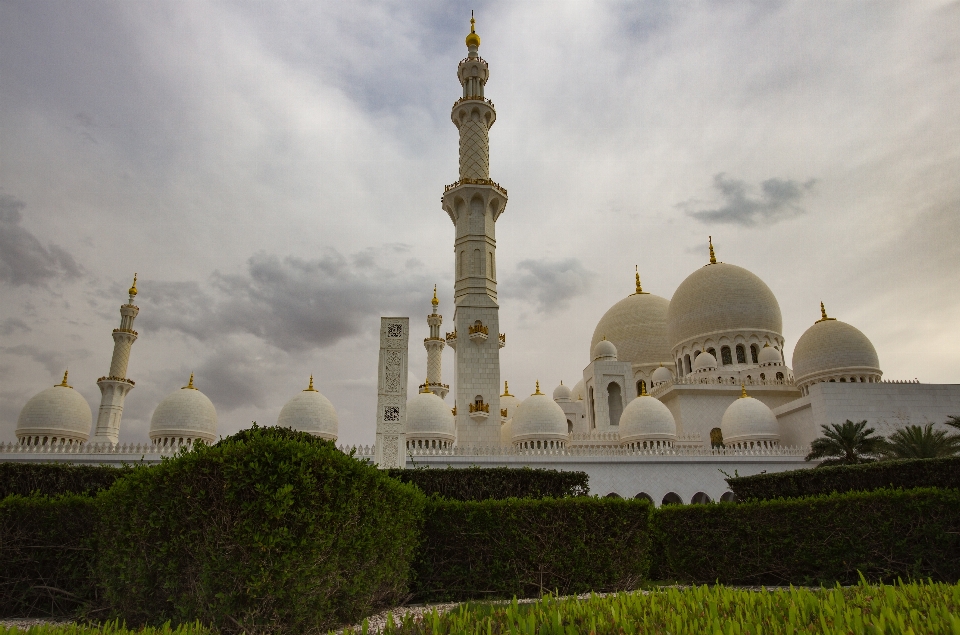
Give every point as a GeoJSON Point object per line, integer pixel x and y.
{"type": "Point", "coordinates": [184, 416]}
{"type": "Point", "coordinates": [310, 412]}
{"type": "Point", "coordinates": [56, 416]}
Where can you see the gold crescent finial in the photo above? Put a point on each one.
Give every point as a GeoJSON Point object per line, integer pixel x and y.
{"type": "Point", "coordinates": [473, 39]}
{"type": "Point", "coordinates": [133, 289]}
{"type": "Point", "coordinates": [64, 384]}
{"type": "Point", "coordinates": [823, 314]}
{"type": "Point", "coordinates": [190, 384]}
{"type": "Point", "coordinates": [506, 389]}
{"type": "Point", "coordinates": [713, 257]}
{"type": "Point", "coordinates": [538, 388]}
{"type": "Point", "coordinates": [743, 391]}
{"type": "Point", "coordinates": [643, 389]}
{"type": "Point", "coordinates": [639, 288]}
{"type": "Point", "coordinates": [310, 388]}
{"type": "Point", "coordinates": [435, 301]}
{"type": "Point", "coordinates": [426, 386]}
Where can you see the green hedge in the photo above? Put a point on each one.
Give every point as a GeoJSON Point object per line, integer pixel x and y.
{"type": "Point", "coordinates": [268, 532]}
{"type": "Point", "coordinates": [475, 483]}
{"type": "Point", "coordinates": [501, 548]}
{"type": "Point", "coordinates": [884, 534]}
{"type": "Point", "coordinates": [46, 555]}
{"type": "Point", "coordinates": [904, 474]}
{"type": "Point", "coordinates": [53, 479]}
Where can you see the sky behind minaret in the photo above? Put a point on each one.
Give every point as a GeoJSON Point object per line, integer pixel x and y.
{"type": "Point", "coordinates": [273, 172]}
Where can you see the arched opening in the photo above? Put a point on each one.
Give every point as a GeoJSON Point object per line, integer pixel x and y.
{"type": "Point", "coordinates": [614, 402]}
{"type": "Point", "coordinates": [741, 354]}
{"type": "Point", "coordinates": [613, 495]}
{"type": "Point", "coordinates": [672, 499]}
{"type": "Point", "coordinates": [763, 376]}
{"type": "Point", "coordinates": [700, 499]}
{"type": "Point", "coordinates": [679, 368]}
{"type": "Point", "coordinates": [779, 376]}
{"type": "Point", "coordinates": [593, 410]}
{"type": "Point", "coordinates": [569, 427]}
{"type": "Point", "coordinates": [716, 438]}
{"type": "Point", "coordinates": [713, 352]}
{"type": "Point", "coordinates": [725, 355]}
{"type": "Point", "coordinates": [728, 497]}
{"type": "Point", "coordinates": [477, 263]}
{"type": "Point", "coordinates": [686, 364]}
{"type": "Point", "coordinates": [754, 351]}
{"type": "Point", "coordinates": [643, 496]}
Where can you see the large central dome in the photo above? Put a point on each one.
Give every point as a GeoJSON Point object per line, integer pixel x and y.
{"type": "Point", "coordinates": [637, 326]}
{"type": "Point", "coordinates": [721, 297]}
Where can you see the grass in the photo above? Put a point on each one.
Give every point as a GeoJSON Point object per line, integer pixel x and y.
{"type": "Point", "coordinates": [870, 609]}
{"type": "Point", "coordinates": [112, 628]}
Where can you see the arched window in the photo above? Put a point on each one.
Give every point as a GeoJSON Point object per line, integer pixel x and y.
{"type": "Point", "coordinates": [713, 352]}
{"type": "Point", "coordinates": [728, 497]}
{"type": "Point", "coordinates": [593, 410]}
{"type": "Point", "coordinates": [754, 351]}
{"type": "Point", "coordinates": [679, 368]}
{"type": "Point", "coordinates": [477, 263]}
{"type": "Point", "coordinates": [615, 402]}
{"type": "Point", "coordinates": [716, 438]}
{"type": "Point", "coordinates": [686, 364]}
{"type": "Point", "coordinates": [741, 354]}
{"type": "Point", "coordinates": [780, 377]}
{"type": "Point", "coordinates": [763, 377]}
{"type": "Point", "coordinates": [700, 498]}
{"type": "Point", "coordinates": [641, 386]}
{"type": "Point", "coordinates": [672, 499]}
{"type": "Point", "coordinates": [643, 496]}
{"type": "Point", "coordinates": [569, 427]}
{"type": "Point", "coordinates": [460, 264]}
{"type": "Point", "coordinates": [725, 354]}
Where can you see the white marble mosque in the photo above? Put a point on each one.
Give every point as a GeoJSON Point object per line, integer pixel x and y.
{"type": "Point", "coordinates": [675, 394]}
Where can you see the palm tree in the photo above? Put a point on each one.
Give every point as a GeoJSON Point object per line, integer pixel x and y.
{"type": "Point", "coordinates": [914, 442]}
{"type": "Point", "coordinates": [848, 443]}
{"type": "Point", "coordinates": [954, 421]}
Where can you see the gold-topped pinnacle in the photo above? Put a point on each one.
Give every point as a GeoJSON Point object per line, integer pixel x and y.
{"type": "Point", "coordinates": [643, 389]}
{"type": "Point", "coordinates": [823, 315]}
{"type": "Point", "coordinates": [310, 388]}
{"type": "Point", "coordinates": [189, 385]}
{"type": "Point", "coordinates": [64, 384]}
{"type": "Point", "coordinates": [713, 257]}
{"type": "Point", "coordinates": [434, 301]}
{"type": "Point", "coordinates": [426, 387]}
{"type": "Point", "coordinates": [472, 39]}
{"type": "Point", "coordinates": [538, 388]}
{"type": "Point", "coordinates": [506, 389]}
{"type": "Point", "coordinates": [639, 290]}
{"type": "Point", "coordinates": [133, 290]}
{"type": "Point", "coordinates": [743, 391]}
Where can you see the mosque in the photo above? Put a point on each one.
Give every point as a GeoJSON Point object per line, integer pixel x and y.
{"type": "Point", "coordinates": [675, 393]}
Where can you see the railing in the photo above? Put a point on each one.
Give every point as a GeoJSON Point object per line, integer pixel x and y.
{"type": "Point", "coordinates": [361, 451]}
{"type": "Point", "coordinates": [694, 380]}
{"type": "Point", "coordinates": [131, 331]}
{"type": "Point", "coordinates": [591, 451]}
{"type": "Point", "coordinates": [473, 59]}
{"type": "Point", "coordinates": [474, 98]}
{"type": "Point", "coordinates": [898, 381]}
{"type": "Point", "coordinates": [466, 181]}
{"type": "Point", "coordinates": [112, 378]}
{"type": "Point", "coordinates": [91, 448]}
{"type": "Point", "coordinates": [451, 336]}
{"type": "Point", "coordinates": [480, 328]}
{"type": "Point", "coordinates": [479, 407]}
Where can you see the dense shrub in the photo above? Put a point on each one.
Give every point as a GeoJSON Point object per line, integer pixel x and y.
{"type": "Point", "coordinates": [267, 532]}
{"type": "Point", "coordinates": [53, 479]}
{"type": "Point", "coordinates": [905, 474]}
{"type": "Point", "coordinates": [46, 555]}
{"type": "Point", "coordinates": [884, 534]}
{"type": "Point", "coordinates": [502, 548]}
{"type": "Point", "coordinates": [475, 483]}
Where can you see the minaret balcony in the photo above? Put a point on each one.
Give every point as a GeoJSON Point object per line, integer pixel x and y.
{"type": "Point", "coordinates": [130, 331]}
{"type": "Point", "coordinates": [452, 340]}
{"type": "Point", "coordinates": [120, 379]}
{"type": "Point", "coordinates": [466, 181]}
{"type": "Point", "coordinates": [479, 411]}
{"type": "Point", "coordinates": [503, 414]}
{"type": "Point", "coordinates": [479, 333]}
{"type": "Point", "coordinates": [503, 340]}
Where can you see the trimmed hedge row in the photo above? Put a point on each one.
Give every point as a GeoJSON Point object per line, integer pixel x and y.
{"type": "Point", "coordinates": [904, 474]}
{"type": "Point", "coordinates": [475, 483]}
{"type": "Point", "coordinates": [53, 479]}
{"type": "Point", "coordinates": [885, 534]}
{"type": "Point", "coordinates": [46, 555]}
{"type": "Point", "coordinates": [501, 548]}
{"type": "Point", "coordinates": [269, 532]}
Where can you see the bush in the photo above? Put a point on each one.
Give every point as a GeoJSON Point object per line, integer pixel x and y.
{"type": "Point", "coordinates": [885, 534]}
{"type": "Point", "coordinates": [502, 548]}
{"type": "Point", "coordinates": [46, 553]}
{"type": "Point", "coordinates": [475, 483]}
{"type": "Point", "coordinates": [53, 479]}
{"type": "Point", "coordinates": [905, 474]}
{"type": "Point", "coordinates": [268, 532]}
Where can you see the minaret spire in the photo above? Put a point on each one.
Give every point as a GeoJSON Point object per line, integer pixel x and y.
{"type": "Point", "coordinates": [115, 386]}
{"type": "Point", "coordinates": [434, 345]}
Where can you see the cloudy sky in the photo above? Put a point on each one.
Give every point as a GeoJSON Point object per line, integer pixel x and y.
{"type": "Point", "coordinates": [272, 170]}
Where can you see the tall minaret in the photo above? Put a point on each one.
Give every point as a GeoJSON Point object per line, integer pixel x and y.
{"type": "Point", "coordinates": [474, 203]}
{"type": "Point", "coordinates": [115, 386]}
{"type": "Point", "coordinates": [434, 345]}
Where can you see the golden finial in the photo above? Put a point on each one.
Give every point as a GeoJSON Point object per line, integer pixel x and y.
{"type": "Point", "coordinates": [639, 288]}
{"type": "Point", "coordinates": [435, 301]}
{"type": "Point", "coordinates": [538, 388]}
{"type": "Point", "coordinates": [643, 389]}
{"type": "Point", "coordinates": [310, 388]}
{"type": "Point", "coordinates": [743, 391]}
{"type": "Point", "coordinates": [133, 289]}
{"type": "Point", "coordinates": [473, 39]}
{"type": "Point", "coordinates": [506, 389]}
{"type": "Point", "coordinates": [64, 384]}
{"type": "Point", "coordinates": [190, 384]}
{"type": "Point", "coordinates": [823, 315]}
{"type": "Point", "coordinates": [713, 257]}
{"type": "Point", "coordinates": [426, 387]}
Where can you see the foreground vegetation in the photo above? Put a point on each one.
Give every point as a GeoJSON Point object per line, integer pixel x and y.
{"type": "Point", "coordinates": [903, 608]}
{"type": "Point", "coordinates": [112, 628]}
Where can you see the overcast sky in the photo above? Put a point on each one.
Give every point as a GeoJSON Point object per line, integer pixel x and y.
{"type": "Point", "coordinates": [273, 170]}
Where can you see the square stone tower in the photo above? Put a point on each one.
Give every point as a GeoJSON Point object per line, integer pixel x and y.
{"type": "Point", "coordinates": [392, 392]}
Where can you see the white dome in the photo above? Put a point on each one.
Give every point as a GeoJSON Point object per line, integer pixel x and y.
{"type": "Point", "coordinates": [749, 420]}
{"type": "Point", "coordinates": [59, 413]}
{"type": "Point", "coordinates": [539, 418]}
{"type": "Point", "coordinates": [310, 412]}
{"type": "Point", "coordinates": [509, 403]}
{"type": "Point", "coordinates": [769, 355]}
{"type": "Point", "coordinates": [718, 298]}
{"type": "Point", "coordinates": [577, 392]}
{"type": "Point", "coordinates": [429, 417]}
{"type": "Point", "coordinates": [647, 419]}
{"type": "Point", "coordinates": [705, 361]}
{"type": "Point", "coordinates": [831, 347]}
{"type": "Point", "coordinates": [661, 375]}
{"type": "Point", "coordinates": [561, 392]}
{"type": "Point", "coordinates": [605, 350]}
{"type": "Point", "coordinates": [184, 414]}
{"type": "Point", "coordinates": [637, 326]}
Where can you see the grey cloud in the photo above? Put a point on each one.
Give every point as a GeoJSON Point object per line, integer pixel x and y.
{"type": "Point", "coordinates": [12, 325]}
{"type": "Point", "coordinates": [53, 361]}
{"type": "Point", "coordinates": [23, 259]}
{"type": "Point", "coordinates": [552, 284]}
{"type": "Point", "coordinates": [778, 200]}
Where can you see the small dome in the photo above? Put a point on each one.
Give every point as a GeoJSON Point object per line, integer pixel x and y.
{"type": "Point", "coordinates": [833, 347]}
{"type": "Point", "coordinates": [59, 413]}
{"type": "Point", "coordinates": [647, 419]}
{"type": "Point", "coordinates": [605, 350]}
{"type": "Point", "coordinates": [310, 412]}
{"type": "Point", "coordinates": [472, 38]}
{"type": "Point", "coordinates": [749, 420]}
{"type": "Point", "coordinates": [577, 392]}
{"type": "Point", "coordinates": [429, 417]}
{"type": "Point", "coordinates": [721, 297]}
{"type": "Point", "coordinates": [539, 418]}
{"type": "Point", "coordinates": [637, 326]}
{"type": "Point", "coordinates": [769, 356]}
{"type": "Point", "coordinates": [704, 362]}
{"type": "Point", "coordinates": [661, 375]}
{"type": "Point", "coordinates": [561, 392]}
{"type": "Point", "coordinates": [185, 414]}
